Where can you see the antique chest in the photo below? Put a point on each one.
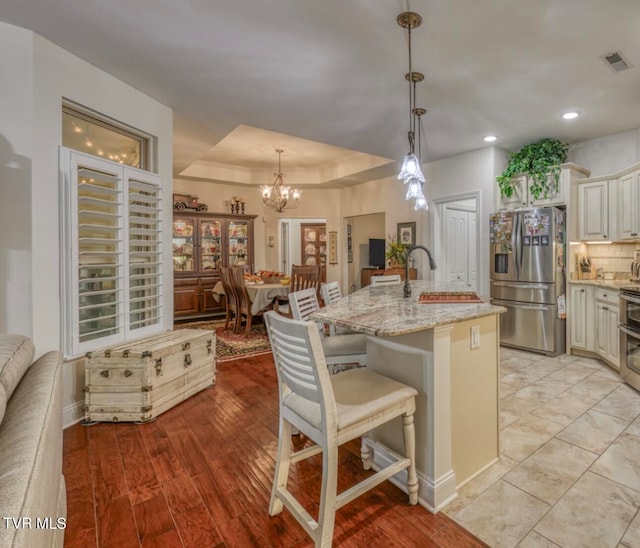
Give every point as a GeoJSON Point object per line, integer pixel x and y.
{"type": "Point", "coordinates": [138, 380]}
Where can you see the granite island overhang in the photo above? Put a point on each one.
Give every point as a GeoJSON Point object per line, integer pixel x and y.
{"type": "Point", "coordinates": [456, 374]}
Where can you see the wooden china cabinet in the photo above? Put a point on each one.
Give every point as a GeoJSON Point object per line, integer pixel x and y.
{"type": "Point", "coordinates": [202, 243]}
{"type": "Point", "coordinates": [314, 246]}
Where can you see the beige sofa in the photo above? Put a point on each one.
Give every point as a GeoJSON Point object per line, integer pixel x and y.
{"type": "Point", "coordinates": [33, 504]}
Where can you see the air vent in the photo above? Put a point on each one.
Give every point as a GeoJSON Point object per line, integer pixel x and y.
{"type": "Point", "coordinates": [616, 61]}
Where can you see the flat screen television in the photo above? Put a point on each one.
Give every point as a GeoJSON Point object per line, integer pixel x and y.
{"type": "Point", "coordinates": [376, 252]}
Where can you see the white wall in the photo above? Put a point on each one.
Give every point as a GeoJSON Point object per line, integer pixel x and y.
{"type": "Point", "coordinates": [36, 76]}
{"type": "Point", "coordinates": [607, 155]}
{"type": "Point", "coordinates": [473, 171]}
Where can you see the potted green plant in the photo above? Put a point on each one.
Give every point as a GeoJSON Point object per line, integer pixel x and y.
{"type": "Point", "coordinates": [541, 162]}
{"type": "Point", "coordinates": [396, 252]}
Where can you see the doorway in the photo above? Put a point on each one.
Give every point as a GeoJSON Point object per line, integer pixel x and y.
{"type": "Point", "coordinates": [456, 235]}
{"type": "Point", "coordinates": [291, 248]}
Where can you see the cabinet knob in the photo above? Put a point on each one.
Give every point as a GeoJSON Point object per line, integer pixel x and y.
{"type": "Point", "coordinates": [582, 290]}
{"type": "Point", "coordinates": [605, 236]}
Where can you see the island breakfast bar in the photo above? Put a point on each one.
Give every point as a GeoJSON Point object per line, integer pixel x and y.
{"type": "Point", "coordinates": [456, 375]}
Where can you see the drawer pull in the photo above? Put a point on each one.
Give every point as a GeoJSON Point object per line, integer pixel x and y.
{"type": "Point", "coordinates": [186, 346]}
{"type": "Point", "coordinates": [159, 366]}
{"type": "Point", "coordinates": [105, 373]}
{"type": "Point", "coordinates": [125, 353]}
{"type": "Point", "coordinates": [128, 372]}
{"type": "Point", "coordinates": [187, 360]}
{"type": "Point", "coordinates": [209, 344]}
{"type": "Point", "coordinates": [107, 353]}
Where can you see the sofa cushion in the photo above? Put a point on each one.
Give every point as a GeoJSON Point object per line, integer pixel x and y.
{"type": "Point", "coordinates": [16, 355]}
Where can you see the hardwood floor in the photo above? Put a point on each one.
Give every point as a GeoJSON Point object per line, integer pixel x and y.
{"type": "Point", "coordinates": [200, 475]}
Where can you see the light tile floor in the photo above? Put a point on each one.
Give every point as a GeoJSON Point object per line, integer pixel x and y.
{"type": "Point", "coordinates": [569, 470]}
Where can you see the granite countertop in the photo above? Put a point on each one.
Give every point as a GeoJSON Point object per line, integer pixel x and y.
{"type": "Point", "coordinates": [383, 311]}
{"type": "Point", "coordinates": [609, 284]}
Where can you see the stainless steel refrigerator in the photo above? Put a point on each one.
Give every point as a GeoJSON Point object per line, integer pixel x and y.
{"type": "Point", "coordinates": [528, 277]}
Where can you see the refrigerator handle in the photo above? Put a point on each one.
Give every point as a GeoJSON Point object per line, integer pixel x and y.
{"type": "Point", "coordinates": [516, 240]}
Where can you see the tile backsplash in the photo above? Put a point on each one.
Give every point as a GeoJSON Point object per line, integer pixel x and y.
{"type": "Point", "coordinates": [614, 258]}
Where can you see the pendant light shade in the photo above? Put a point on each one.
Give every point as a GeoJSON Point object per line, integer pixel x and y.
{"type": "Point", "coordinates": [411, 169]}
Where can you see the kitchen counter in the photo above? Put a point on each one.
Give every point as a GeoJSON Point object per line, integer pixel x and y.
{"type": "Point", "coordinates": [383, 312]}
{"type": "Point", "coordinates": [609, 284]}
{"type": "Point", "coordinates": [450, 355]}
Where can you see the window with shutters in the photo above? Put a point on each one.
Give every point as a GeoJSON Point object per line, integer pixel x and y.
{"type": "Point", "coordinates": [112, 252]}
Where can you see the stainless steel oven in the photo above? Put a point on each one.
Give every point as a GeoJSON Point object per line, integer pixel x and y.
{"type": "Point", "coordinates": [630, 336]}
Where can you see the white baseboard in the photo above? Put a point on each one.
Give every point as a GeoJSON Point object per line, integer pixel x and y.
{"type": "Point", "coordinates": [72, 414]}
{"type": "Point", "coordinates": [432, 495]}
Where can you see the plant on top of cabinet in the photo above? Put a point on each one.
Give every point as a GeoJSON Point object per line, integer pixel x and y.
{"type": "Point", "coordinates": [541, 161]}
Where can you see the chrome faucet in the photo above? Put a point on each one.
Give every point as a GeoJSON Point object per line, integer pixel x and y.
{"type": "Point", "coordinates": [432, 265]}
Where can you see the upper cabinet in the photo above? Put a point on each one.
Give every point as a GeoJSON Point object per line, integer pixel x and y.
{"type": "Point", "coordinates": [629, 206]}
{"type": "Point", "coordinates": [608, 207]}
{"type": "Point", "coordinates": [593, 209]}
{"type": "Point", "coordinates": [523, 198]}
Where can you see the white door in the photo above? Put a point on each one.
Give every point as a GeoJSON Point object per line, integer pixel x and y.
{"type": "Point", "coordinates": [460, 253]}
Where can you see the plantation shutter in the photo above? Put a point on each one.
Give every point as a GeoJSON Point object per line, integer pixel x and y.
{"type": "Point", "coordinates": [112, 271]}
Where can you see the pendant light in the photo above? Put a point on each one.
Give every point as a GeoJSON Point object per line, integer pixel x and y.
{"type": "Point", "coordinates": [411, 165]}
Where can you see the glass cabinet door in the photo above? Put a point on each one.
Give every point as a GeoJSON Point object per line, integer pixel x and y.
{"type": "Point", "coordinates": [309, 245]}
{"type": "Point", "coordinates": [210, 244]}
{"type": "Point", "coordinates": [238, 243]}
{"type": "Point", "coordinates": [183, 245]}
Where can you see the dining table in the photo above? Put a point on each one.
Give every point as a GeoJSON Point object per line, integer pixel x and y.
{"type": "Point", "coordinates": [261, 295]}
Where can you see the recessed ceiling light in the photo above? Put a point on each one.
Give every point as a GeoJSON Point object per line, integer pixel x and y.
{"type": "Point", "coordinates": [570, 115]}
{"type": "Point", "coordinates": [490, 138]}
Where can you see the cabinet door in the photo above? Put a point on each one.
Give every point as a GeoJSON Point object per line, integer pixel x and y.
{"type": "Point", "coordinates": [556, 195]}
{"type": "Point", "coordinates": [210, 231]}
{"type": "Point", "coordinates": [208, 304]}
{"type": "Point", "coordinates": [578, 317]}
{"type": "Point", "coordinates": [519, 197]}
{"type": "Point", "coordinates": [593, 206]}
{"type": "Point", "coordinates": [238, 242]}
{"type": "Point", "coordinates": [184, 245]}
{"type": "Point", "coordinates": [602, 329]}
{"type": "Point", "coordinates": [613, 343]}
{"type": "Point", "coordinates": [628, 207]}
{"type": "Point", "coordinates": [186, 300]}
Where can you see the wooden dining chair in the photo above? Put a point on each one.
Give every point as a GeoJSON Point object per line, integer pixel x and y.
{"type": "Point", "coordinates": [389, 279]}
{"type": "Point", "coordinates": [244, 302]}
{"type": "Point", "coordinates": [302, 277]}
{"type": "Point", "coordinates": [339, 350]}
{"type": "Point", "coordinates": [231, 299]}
{"type": "Point", "coordinates": [331, 410]}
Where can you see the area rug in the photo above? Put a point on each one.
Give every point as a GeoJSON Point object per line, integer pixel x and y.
{"type": "Point", "coordinates": [230, 346]}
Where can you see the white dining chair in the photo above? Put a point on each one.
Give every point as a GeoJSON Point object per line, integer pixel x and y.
{"type": "Point", "coordinates": [389, 279]}
{"type": "Point", "coordinates": [330, 292]}
{"type": "Point", "coordinates": [339, 350]}
{"type": "Point", "coordinates": [331, 410]}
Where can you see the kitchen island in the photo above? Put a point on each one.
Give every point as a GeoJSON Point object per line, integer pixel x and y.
{"type": "Point", "coordinates": [456, 374]}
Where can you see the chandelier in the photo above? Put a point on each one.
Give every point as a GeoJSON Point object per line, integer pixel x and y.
{"type": "Point", "coordinates": [411, 172]}
{"type": "Point", "coordinates": [277, 195]}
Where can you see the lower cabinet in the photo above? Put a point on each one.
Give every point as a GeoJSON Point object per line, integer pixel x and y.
{"type": "Point", "coordinates": [607, 332]}
{"type": "Point", "coordinates": [192, 297]}
{"type": "Point", "coordinates": [594, 322]}
{"type": "Point", "coordinates": [582, 317]}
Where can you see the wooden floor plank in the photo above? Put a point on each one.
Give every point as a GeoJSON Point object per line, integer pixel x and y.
{"type": "Point", "coordinates": [200, 475]}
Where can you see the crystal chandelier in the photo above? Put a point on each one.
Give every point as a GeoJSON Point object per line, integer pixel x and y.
{"type": "Point", "coordinates": [277, 195]}
{"type": "Point", "coordinates": [411, 172]}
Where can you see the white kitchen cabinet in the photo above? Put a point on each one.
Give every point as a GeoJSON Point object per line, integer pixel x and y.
{"type": "Point", "coordinates": [581, 317]}
{"type": "Point", "coordinates": [593, 211]}
{"type": "Point", "coordinates": [522, 197]}
{"type": "Point", "coordinates": [607, 333]}
{"type": "Point", "coordinates": [519, 198]}
{"type": "Point", "coordinates": [629, 206]}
